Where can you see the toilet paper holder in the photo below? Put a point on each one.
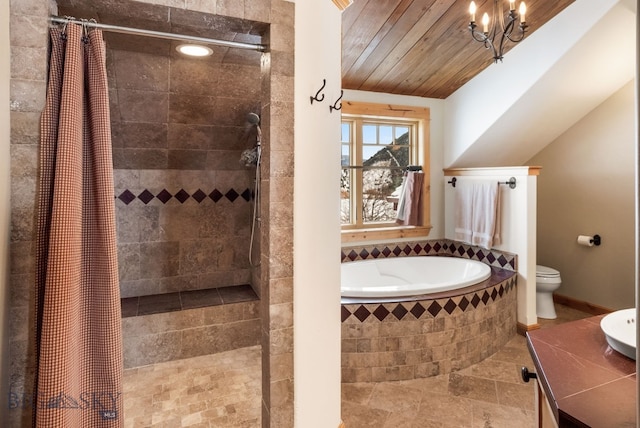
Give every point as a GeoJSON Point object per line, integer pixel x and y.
{"type": "Point", "coordinates": [593, 240]}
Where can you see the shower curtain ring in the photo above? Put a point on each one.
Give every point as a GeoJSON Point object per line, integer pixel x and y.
{"type": "Point", "coordinates": [85, 31]}
{"type": "Point", "coordinates": [63, 32]}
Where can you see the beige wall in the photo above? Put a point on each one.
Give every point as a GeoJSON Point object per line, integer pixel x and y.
{"type": "Point", "coordinates": [5, 202]}
{"type": "Point", "coordinates": [586, 187]}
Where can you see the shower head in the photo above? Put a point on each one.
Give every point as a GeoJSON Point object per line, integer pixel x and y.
{"type": "Point", "coordinates": [253, 119]}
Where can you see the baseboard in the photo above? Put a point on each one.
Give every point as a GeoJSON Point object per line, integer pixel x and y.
{"type": "Point", "coordinates": [522, 329]}
{"type": "Point", "coordinates": [580, 305]}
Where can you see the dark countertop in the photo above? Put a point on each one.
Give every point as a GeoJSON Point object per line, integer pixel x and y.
{"type": "Point", "coordinates": [587, 383]}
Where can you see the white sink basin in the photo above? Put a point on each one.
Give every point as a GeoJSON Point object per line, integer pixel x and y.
{"type": "Point", "coordinates": [620, 331]}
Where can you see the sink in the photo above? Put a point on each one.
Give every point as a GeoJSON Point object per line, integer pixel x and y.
{"type": "Point", "coordinates": [620, 331]}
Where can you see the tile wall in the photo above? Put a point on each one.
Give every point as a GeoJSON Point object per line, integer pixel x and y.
{"type": "Point", "coordinates": [183, 199]}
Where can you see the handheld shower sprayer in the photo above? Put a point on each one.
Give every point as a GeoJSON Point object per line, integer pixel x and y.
{"type": "Point", "coordinates": [254, 119]}
{"type": "Point", "coordinates": [252, 157]}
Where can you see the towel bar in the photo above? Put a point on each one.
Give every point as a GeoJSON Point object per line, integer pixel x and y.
{"type": "Point", "coordinates": [511, 182]}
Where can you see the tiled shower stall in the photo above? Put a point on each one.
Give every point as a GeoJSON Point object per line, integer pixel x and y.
{"type": "Point", "coordinates": [183, 199]}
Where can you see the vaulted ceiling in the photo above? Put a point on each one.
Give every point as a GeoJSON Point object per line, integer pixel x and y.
{"type": "Point", "coordinates": [420, 47]}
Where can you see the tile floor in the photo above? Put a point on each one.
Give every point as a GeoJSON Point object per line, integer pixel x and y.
{"type": "Point", "coordinates": [490, 394]}
{"type": "Point", "coordinates": [223, 391]}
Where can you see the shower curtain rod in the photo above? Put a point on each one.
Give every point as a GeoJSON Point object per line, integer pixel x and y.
{"type": "Point", "coordinates": [157, 34]}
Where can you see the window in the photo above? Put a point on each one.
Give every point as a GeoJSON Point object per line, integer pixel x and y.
{"type": "Point", "coordinates": [378, 143]}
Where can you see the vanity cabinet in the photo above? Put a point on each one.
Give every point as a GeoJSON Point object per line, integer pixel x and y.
{"type": "Point", "coordinates": [546, 418]}
{"type": "Point", "coordinates": [582, 382]}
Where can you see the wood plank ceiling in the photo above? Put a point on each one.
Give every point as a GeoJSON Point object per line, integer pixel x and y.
{"type": "Point", "coordinates": [420, 47]}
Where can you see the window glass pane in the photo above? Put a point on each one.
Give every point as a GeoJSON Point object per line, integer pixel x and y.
{"type": "Point", "coordinates": [386, 134]}
{"type": "Point", "coordinates": [371, 154]}
{"type": "Point", "coordinates": [369, 134]}
{"type": "Point", "coordinates": [345, 201]}
{"type": "Point", "coordinates": [400, 156]}
{"type": "Point", "coordinates": [345, 155]}
{"type": "Point", "coordinates": [378, 186]}
{"type": "Point", "coordinates": [401, 134]}
{"type": "Point", "coordinates": [346, 132]}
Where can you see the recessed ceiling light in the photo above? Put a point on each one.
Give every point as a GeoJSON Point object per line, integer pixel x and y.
{"type": "Point", "coordinates": [194, 50]}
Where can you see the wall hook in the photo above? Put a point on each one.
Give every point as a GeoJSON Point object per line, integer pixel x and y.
{"type": "Point", "coordinates": [319, 97]}
{"type": "Point", "coordinates": [335, 105]}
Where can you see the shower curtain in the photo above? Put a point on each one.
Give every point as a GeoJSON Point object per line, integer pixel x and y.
{"type": "Point", "coordinates": [78, 344]}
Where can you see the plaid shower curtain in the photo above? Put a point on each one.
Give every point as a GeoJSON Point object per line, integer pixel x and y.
{"type": "Point", "coordinates": [78, 334]}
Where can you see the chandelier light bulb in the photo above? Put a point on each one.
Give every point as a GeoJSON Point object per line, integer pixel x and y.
{"type": "Point", "coordinates": [523, 10]}
{"type": "Point", "coordinates": [472, 11]}
{"type": "Point", "coordinates": [485, 22]}
{"type": "Point", "coordinates": [512, 5]}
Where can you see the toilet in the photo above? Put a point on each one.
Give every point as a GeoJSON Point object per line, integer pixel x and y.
{"type": "Point", "coordinates": [547, 281]}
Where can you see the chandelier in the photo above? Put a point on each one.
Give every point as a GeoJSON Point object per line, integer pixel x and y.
{"type": "Point", "coordinates": [496, 35]}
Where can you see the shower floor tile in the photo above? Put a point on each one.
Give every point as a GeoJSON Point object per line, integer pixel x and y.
{"type": "Point", "coordinates": [220, 390]}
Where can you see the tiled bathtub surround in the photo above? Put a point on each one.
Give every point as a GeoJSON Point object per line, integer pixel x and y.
{"type": "Point", "coordinates": [425, 336]}
{"type": "Point", "coordinates": [399, 341]}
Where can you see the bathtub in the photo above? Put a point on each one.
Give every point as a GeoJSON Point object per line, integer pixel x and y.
{"type": "Point", "coordinates": [409, 276]}
{"type": "Point", "coordinates": [461, 311]}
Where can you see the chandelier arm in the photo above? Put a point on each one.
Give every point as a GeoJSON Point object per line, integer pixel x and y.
{"type": "Point", "coordinates": [479, 37]}
{"type": "Point", "coordinates": [522, 34]}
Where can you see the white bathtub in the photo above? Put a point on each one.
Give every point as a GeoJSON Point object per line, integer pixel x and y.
{"type": "Point", "coordinates": [410, 276]}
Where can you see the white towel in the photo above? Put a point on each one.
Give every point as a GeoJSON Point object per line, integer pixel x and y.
{"type": "Point", "coordinates": [463, 211]}
{"type": "Point", "coordinates": [477, 212]}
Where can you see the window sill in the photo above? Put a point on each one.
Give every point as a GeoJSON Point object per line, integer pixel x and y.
{"type": "Point", "coordinates": [353, 235]}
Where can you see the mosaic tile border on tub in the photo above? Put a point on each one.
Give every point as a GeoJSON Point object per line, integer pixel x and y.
{"type": "Point", "coordinates": [438, 247]}
{"type": "Point", "coordinates": [425, 308]}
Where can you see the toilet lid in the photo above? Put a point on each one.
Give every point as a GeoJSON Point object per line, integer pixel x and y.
{"type": "Point", "coordinates": [546, 272]}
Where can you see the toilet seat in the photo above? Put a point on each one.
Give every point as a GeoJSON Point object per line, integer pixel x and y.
{"type": "Point", "coordinates": [546, 272]}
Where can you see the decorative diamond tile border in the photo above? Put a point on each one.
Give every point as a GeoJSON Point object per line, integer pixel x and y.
{"type": "Point", "coordinates": [146, 196]}
{"type": "Point", "coordinates": [428, 308]}
{"type": "Point", "coordinates": [432, 248]}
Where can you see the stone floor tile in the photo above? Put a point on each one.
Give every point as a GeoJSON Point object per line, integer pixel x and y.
{"type": "Point", "coordinates": [447, 409]}
{"type": "Point", "coordinates": [473, 387]}
{"type": "Point", "coordinates": [356, 415]}
{"type": "Point", "coordinates": [496, 370]}
{"type": "Point", "coordinates": [520, 395]}
{"type": "Point", "coordinates": [495, 416]}
{"type": "Point", "coordinates": [392, 397]}
{"type": "Point", "coordinates": [357, 392]}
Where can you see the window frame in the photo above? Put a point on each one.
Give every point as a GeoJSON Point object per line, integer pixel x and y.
{"type": "Point", "coordinates": [360, 111]}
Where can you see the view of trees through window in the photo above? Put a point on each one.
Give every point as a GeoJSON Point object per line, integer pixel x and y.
{"type": "Point", "coordinates": [374, 158]}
